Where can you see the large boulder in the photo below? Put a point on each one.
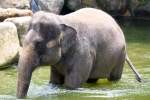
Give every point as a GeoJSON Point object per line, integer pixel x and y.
{"type": "Point", "coordinates": [54, 6]}
{"type": "Point", "coordinates": [22, 24]}
{"type": "Point", "coordinates": [106, 5]}
{"type": "Point", "coordinates": [143, 10]}
{"type": "Point", "coordinates": [77, 4]}
{"type": "Point", "coordinates": [114, 7]}
{"type": "Point", "coordinates": [9, 43]}
{"type": "Point", "coordinates": [13, 12]}
{"type": "Point", "coordinates": [22, 4]}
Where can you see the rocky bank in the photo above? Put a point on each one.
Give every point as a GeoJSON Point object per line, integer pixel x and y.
{"type": "Point", "coordinates": [15, 16]}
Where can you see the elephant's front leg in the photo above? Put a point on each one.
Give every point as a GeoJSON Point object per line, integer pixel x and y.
{"type": "Point", "coordinates": [55, 77]}
{"type": "Point", "coordinates": [79, 71]}
{"type": "Point", "coordinates": [73, 80]}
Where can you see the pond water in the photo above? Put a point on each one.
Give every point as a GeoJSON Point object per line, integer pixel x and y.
{"type": "Point", "coordinates": [138, 41]}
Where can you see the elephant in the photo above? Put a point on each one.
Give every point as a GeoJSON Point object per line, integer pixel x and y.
{"type": "Point", "coordinates": [81, 47]}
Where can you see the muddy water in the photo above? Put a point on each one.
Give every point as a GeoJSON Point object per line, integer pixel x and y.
{"type": "Point", "coordinates": [138, 40]}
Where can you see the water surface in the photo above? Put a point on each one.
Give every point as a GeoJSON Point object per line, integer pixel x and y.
{"type": "Point", "coordinates": [138, 42]}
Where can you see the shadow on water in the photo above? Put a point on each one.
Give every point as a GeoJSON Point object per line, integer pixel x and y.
{"type": "Point", "coordinates": [138, 46]}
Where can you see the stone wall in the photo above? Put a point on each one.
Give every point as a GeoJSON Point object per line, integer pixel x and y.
{"type": "Point", "coordinates": [15, 16]}
{"type": "Point", "coordinates": [134, 8]}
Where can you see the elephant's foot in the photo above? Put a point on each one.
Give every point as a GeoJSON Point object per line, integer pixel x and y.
{"type": "Point", "coordinates": [56, 78]}
{"type": "Point", "coordinates": [73, 81]}
{"type": "Point", "coordinates": [92, 80]}
{"type": "Point", "coordinates": [72, 85]}
{"type": "Point", "coordinates": [56, 81]}
{"type": "Point", "coordinates": [114, 78]}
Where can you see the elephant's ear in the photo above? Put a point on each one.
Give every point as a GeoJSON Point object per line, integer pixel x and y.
{"type": "Point", "coordinates": [68, 37]}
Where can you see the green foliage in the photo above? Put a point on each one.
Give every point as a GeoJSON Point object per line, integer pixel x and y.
{"type": "Point", "coordinates": [144, 1]}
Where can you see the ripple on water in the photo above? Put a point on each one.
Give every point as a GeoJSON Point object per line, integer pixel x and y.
{"type": "Point", "coordinates": [126, 87]}
{"type": "Point", "coordinates": [7, 97]}
{"type": "Point", "coordinates": [147, 55]}
{"type": "Point", "coordinates": [38, 91]}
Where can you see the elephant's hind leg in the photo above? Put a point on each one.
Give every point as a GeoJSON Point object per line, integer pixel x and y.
{"type": "Point", "coordinates": [116, 72]}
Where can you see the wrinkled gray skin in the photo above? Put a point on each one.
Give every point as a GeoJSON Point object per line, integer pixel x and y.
{"type": "Point", "coordinates": [81, 47]}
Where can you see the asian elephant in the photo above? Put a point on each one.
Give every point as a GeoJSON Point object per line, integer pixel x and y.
{"type": "Point", "coordinates": [82, 46]}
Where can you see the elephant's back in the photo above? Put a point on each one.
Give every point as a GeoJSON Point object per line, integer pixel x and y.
{"type": "Point", "coordinates": [95, 24]}
{"type": "Point", "coordinates": [90, 16]}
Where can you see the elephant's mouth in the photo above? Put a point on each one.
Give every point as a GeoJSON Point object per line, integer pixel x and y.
{"type": "Point", "coordinates": [46, 60]}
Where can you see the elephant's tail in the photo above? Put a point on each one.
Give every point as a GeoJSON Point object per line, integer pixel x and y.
{"type": "Point", "coordinates": [137, 75]}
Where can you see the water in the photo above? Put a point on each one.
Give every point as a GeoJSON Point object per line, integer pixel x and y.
{"type": "Point", "coordinates": [138, 41]}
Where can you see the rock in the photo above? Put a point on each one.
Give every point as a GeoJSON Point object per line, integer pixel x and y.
{"type": "Point", "coordinates": [89, 3]}
{"type": "Point", "coordinates": [9, 43]}
{"type": "Point", "coordinates": [77, 4]}
{"type": "Point", "coordinates": [21, 4]}
{"type": "Point", "coordinates": [113, 7]}
{"type": "Point", "coordinates": [34, 6]}
{"type": "Point", "coordinates": [13, 12]}
{"type": "Point", "coordinates": [22, 24]}
{"type": "Point", "coordinates": [132, 5]}
{"type": "Point", "coordinates": [143, 10]}
{"type": "Point", "coordinates": [74, 4]}
{"type": "Point", "coordinates": [54, 6]}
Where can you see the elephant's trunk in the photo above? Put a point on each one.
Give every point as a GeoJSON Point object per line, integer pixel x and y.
{"type": "Point", "coordinates": [27, 63]}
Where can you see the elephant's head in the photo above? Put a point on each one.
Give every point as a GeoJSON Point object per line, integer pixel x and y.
{"type": "Point", "coordinates": [46, 41]}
